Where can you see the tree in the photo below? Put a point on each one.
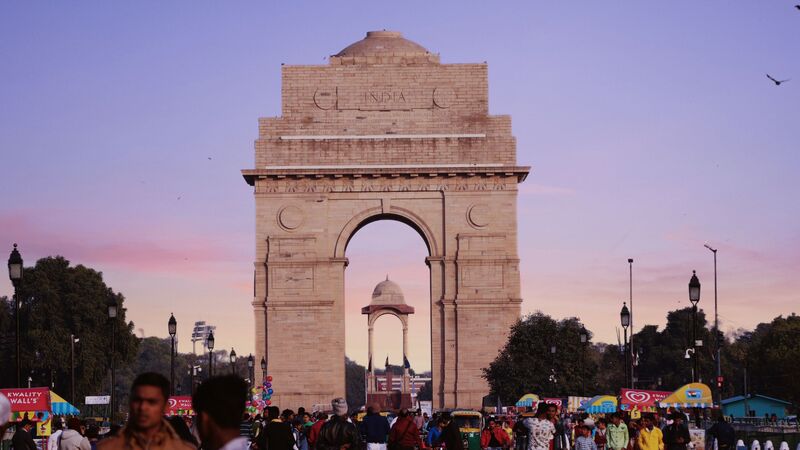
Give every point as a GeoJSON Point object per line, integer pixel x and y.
{"type": "Point", "coordinates": [59, 300]}
{"type": "Point", "coordinates": [527, 362]}
{"type": "Point", "coordinates": [356, 382]}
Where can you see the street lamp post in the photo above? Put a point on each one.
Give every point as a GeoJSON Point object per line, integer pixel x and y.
{"type": "Point", "coordinates": [625, 320]}
{"type": "Point", "coordinates": [694, 298]}
{"type": "Point", "coordinates": [251, 362]}
{"type": "Point", "coordinates": [172, 327]}
{"type": "Point", "coordinates": [584, 337]}
{"type": "Point", "coordinates": [263, 368]}
{"type": "Point", "coordinates": [15, 270]}
{"type": "Point", "coordinates": [72, 341]}
{"type": "Point", "coordinates": [631, 368]}
{"type": "Point", "coordinates": [111, 305]}
{"type": "Point", "coordinates": [210, 345]}
{"type": "Point", "coordinates": [232, 358]}
{"type": "Point", "coordinates": [716, 326]}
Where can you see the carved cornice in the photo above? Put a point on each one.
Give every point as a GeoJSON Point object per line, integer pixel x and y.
{"type": "Point", "coordinates": [319, 185]}
{"type": "Point", "coordinates": [354, 173]}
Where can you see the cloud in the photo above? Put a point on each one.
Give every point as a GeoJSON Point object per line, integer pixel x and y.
{"type": "Point", "coordinates": [150, 251]}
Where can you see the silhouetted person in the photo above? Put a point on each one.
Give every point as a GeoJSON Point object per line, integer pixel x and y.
{"type": "Point", "coordinates": [147, 428]}
{"type": "Point", "coordinates": [183, 431]}
{"type": "Point", "coordinates": [219, 404]}
{"type": "Point", "coordinates": [23, 440]}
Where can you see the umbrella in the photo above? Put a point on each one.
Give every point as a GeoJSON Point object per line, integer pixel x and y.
{"type": "Point", "coordinates": [692, 395]}
{"type": "Point", "coordinates": [601, 404]}
{"type": "Point", "coordinates": [61, 407]}
{"type": "Point", "coordinates": [527, 400]}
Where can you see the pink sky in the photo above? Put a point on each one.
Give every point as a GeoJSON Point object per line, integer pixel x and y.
{"type": "Point", "coordinates": [651, 129]}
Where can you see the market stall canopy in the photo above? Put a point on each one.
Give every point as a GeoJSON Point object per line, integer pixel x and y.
{"type": "Point", "coordinates": [527, 400]}
{"type": "Point", "coordinates": [692, 395]}
{"type": "Point", "coordinates": [645, 401]}
{"type": "Point", "coordinates": [574, 403]}
{"type": "Point", "coordinates": [600, 404]}
{"type": "Point", "coordinates": [61, 407]}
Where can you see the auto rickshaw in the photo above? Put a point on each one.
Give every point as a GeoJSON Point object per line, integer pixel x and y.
{"type": "Point", "coordinates": [470, 423]}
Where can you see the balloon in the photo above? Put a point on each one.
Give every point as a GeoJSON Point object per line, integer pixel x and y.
{"type": "Point", "coordinates": [269, 377]}
{"type": "Point", "coordinates": [256, 397]}
{"type": "Point", "coordinates": [270, 391]}
{"type": "Point", "coordinates": [268, 397]}
{"type": "Point", "coordinates": [268, 385]}
{"type": "Point", "coordinates": [269, 402]}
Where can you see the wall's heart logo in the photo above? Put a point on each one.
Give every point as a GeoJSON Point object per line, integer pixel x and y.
{"type": "Point", "coordinates": [172, 403]}
{"type": "Point", "coordinates": [637, 397]}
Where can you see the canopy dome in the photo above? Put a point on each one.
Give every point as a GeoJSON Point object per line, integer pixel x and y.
{"type": "Point", "coordinates": [387, 292]}
{"type": "Point", "coordinates": [384, 47]}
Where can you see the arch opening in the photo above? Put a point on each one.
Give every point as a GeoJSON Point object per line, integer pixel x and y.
{"type": "Point", "coordinates": [392, 247]}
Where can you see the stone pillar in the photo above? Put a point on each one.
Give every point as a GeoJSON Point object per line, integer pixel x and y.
{"type": "Point", "coordinates": [371, 375]}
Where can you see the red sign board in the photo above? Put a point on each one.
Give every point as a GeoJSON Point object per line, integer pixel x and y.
{"type": "Point", "coordinates": [642, 399]}
{"type": "Point", "coordinates": [180, 406]}
{"type": "Point", "coordinates": [32, 399]}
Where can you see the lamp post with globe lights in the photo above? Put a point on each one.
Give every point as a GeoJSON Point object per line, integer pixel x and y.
{"type": "Point", "coordinates": [112, 307]}
{"type": "Point", "coordinates": [263, 368]}
{"type": "Point", "coordinates": [15, 269]}
{"type": "Point", "coordinates": [251, 362]}
{"type": "Point", "coordinates": [625, 321]}
{"type": "Point", "coordinates": [210, 345]}
{"type": "Point", "coordinates": [694, 298]}
{"type": "Point", "coordinates": [172, 328]}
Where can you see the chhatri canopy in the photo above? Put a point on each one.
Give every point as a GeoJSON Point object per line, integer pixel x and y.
{"type": "Point", "coordinates": [600, 404]}
{"type": "Point", "coordinates": [692, 395]}
{"type": "Point", "coordinates": [527, 400]}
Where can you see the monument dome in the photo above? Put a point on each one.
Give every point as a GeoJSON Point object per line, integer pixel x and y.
{"type": "Point", "coordinates": [384, 47]}
{"type": "Point", "coordinates": [387, 292]}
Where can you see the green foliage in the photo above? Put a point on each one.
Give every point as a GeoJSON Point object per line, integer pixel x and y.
{"type": "Point", "coordinates": [355, 380]}
{"type": "Point", "coordinates": [57, 301]}
{"type": "Point", "coordinates": [527, 364]}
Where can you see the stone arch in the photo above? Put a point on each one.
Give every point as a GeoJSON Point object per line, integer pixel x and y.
{"type": "Point", "coordinates": [368, 216]}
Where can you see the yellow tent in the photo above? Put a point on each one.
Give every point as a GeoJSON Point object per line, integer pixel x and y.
{"type": "Point", "coordinates": [692, 395]}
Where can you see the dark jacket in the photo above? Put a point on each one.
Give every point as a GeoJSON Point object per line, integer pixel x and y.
{"type": "Point", "coordinates": [724, 433]}
{"type": "Point", "coordinates": [451, 437]}
{"type": "Point", "coordinates": [279, 435]}
{"type": "Point", "coordinates": [337, 432]}
{"type": "Point", "coordinates": [405, 434]}
{"type": "Point", "coordinates": [22, 440]}
{"type": "Point", "coordinates": [676, 437]}
{"type": "Point", "coordinates": [375, 428]}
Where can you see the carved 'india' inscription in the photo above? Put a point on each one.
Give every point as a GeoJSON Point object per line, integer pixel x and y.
{"type": "Point", "coordinates": [382, 97]}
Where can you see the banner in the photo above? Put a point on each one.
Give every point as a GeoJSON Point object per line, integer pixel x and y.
{"type": "Point", "coordinates": [31, 399]}
{"type": "Point", "coordinates": [180, 406]}
{"type": "Point", "coordinates": [557, 402]}
{"type": "Point", "coordinates": [98, 399]}
{"type": "Point", "coordinates": [641, 400]}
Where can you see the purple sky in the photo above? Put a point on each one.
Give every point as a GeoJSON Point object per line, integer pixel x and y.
{"type": "Point", "coordinates": [651, 129]}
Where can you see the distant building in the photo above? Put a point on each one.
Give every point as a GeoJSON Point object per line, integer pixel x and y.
{"type": "Point", "coordinates": [754, 406]}
{"type": "Point", "coordinates": [200, 334]}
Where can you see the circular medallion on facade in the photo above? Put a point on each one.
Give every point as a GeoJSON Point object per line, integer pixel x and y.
{"type": "Point", "coordinates": [325, 98]}
{"type": "Point", "coordinates": [443, 97]}
{"type": "Point", "coordinates": [478, 215]}
{"type": "Point", "coordinates": [290, 217]}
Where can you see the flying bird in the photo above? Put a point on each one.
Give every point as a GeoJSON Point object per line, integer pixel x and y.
{"type": "Point", "coordinates": [797, 6]}
{"type": "Point", "coordinates": [777, 82]}
{"type": "Point", "coordinates": [209, 158]}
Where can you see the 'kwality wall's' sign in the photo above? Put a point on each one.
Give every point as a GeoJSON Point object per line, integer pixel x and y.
{"type": "Point", "coordinates": [33, 399]}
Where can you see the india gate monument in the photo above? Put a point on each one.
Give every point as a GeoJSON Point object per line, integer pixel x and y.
{"type": "Point", "coordinates": [384, 131]}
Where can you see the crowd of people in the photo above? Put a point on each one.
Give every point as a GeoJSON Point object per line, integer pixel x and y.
{"type": "Point", "coordinates": [220, 423]}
